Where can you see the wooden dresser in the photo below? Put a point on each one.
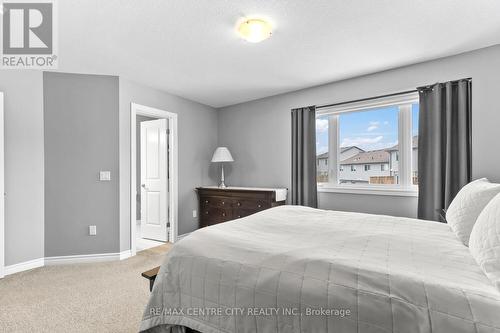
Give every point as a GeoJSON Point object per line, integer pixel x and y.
{"type": "Point", "coordinates": [224, 204]}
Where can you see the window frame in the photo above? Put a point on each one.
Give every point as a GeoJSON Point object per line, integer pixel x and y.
{"type": "Point", "coordinates": [405, 172]}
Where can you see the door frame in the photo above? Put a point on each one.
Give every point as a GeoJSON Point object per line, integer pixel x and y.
{"type": "Point", "coordinates": [2, 190]}
{"type": "Point", "coordinates": [138, 109]}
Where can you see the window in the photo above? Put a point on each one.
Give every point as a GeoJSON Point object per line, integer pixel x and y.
{"type": "Point", "coordinates": [382, 131]}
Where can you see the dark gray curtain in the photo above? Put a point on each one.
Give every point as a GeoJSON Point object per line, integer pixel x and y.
{"type": "Point", "coordinates": [304, 187]}
{"type": "Point", "coordinates": [444, 148]}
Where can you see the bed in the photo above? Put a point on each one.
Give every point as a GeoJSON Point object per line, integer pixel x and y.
{"type": "Point", "coordinates": [298, 269]}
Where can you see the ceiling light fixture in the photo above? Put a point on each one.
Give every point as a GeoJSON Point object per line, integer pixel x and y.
{"type": "Point", "coordinates": [255, 30]}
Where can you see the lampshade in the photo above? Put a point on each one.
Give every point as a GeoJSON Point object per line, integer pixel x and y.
{"type": "Point", "coordinates": [222, 154]}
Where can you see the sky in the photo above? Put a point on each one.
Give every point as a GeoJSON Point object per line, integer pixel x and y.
{"type": "Point", "coordinates": [369, 130]}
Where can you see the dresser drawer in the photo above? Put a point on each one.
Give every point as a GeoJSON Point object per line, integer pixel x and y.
{"type": "Point", "coordinates": [251, 204]}
{"type": "Point", "coordinates": [239, 213]}
{"type": "Point", "coordinates": [217, 202]}
{"type": "Point", "coordinates": [214, 215]}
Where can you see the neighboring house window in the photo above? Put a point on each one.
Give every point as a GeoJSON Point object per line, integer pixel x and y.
{"type": "Point", "coordinates": [374, 132]}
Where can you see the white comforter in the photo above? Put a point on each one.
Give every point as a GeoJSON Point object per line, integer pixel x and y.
{"type": "Point", "coordinates": [360, 273]}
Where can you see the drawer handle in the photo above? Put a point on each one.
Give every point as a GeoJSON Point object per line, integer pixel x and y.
{"type": "Point", "coordinates": [239, 203]}
{"type": "Point", "coordinates": [259, 206]}
{"type": "Point", "coordinates": [239, 216]}
{"type": "Point", "coordinates": [206, 213]}
{"type": "Point", "coordinates": [223, 214]}
{"type": "Point", "coordinates": [206, 201]}
{"type": "Point", "coordinates": [223, 203]}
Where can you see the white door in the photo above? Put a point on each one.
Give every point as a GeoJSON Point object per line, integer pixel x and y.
{"type": "Point", "coordinates": [154, 180]}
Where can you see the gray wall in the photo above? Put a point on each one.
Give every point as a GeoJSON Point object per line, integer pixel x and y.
{"type": "Point", "coordinates": [81, 138]}
{"type": "Point", "coordinates": [23, 165]}
{"type": "Point", "coordinates": [138, 119]}
{"type": "Point", "coordinates": [197, 127]}
{"type": "Point", "coordinates": [258, 132]}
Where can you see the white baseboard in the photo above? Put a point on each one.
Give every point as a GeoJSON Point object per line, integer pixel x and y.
{"type": "Point", "coordinates": [125, 254]}
{"type": "Point", "coordinates": [62, 260]}
{"type": "Point", "coordinates": [83, 258]}
{"type": "Point", "coordinates": [24, 266]}
{"type": "Point", "coordinates": [179, 237]}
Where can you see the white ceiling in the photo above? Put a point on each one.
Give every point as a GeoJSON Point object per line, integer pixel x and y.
{"type": "Point", "coordinates": [190, 48]}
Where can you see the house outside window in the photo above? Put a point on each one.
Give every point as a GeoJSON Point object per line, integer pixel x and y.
{"type": "Point", "coordinates": [379, 135]}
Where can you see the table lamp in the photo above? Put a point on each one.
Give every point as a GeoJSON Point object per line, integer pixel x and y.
{"type": "Point", "coordinates": [222, 155]}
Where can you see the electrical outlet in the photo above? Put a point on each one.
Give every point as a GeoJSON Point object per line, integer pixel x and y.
{"type": "Point", "coordinates": [105, 176]}
{"type": "Point", "coordinates": [92, 230]}
{"type": "Point", "coordinates": [195, 213]}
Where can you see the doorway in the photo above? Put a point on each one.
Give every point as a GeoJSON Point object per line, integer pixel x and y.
{"type": "Point", "coordinates": [153, 177]}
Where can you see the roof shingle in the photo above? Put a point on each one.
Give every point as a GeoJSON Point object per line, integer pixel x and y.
{"type": "Point", "coordinates": [342, 149]}
{"type": "Point", "coordinates": [368, 157]}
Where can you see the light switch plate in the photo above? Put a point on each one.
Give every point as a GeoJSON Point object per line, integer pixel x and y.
{"type": "Point", "coordinates": [195, 213]}
{"type": "Point", "coordinates": [105, 176]}
{"type": "Point", "coordinates": [92, 230]}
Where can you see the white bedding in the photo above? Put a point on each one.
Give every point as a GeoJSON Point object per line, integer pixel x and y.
{"type": "Point", "coordinates": [393, 275]}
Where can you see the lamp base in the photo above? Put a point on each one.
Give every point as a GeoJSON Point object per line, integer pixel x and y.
{"type": "Point", "coordinates": [222, 184]}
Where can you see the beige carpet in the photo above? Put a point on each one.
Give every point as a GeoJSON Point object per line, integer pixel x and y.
{"type": "Point", "coordinates": [99, 297]}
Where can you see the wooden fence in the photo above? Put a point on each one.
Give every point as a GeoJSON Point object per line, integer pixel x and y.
{"type": "Point", "coordinates": [322, 177]}
{"type": "Point", "coordinates": [383, 180]}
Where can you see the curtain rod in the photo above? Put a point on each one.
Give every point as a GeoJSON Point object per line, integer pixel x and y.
{"type": "Point", "coordinates": [366, 99]}
{"type": "Point", "coordinates": [382, 96]}
{"type": "Point", "coordinates": [454, 81]}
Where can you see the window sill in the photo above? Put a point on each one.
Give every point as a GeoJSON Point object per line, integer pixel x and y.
{"type": "Point", "coordinates": [409, 192]}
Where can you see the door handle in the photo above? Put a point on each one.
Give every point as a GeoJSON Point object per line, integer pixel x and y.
{"type": "Point", "coordinates": [144, 187]}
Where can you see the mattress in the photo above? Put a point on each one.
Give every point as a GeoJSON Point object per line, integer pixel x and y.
{"type": "Point", "coordinates": [298, 269]}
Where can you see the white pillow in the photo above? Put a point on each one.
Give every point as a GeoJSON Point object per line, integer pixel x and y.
{"type": "Point", "coordinates": [484, 243]}
{"type": "Point", "coordinates": [468, 204]}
